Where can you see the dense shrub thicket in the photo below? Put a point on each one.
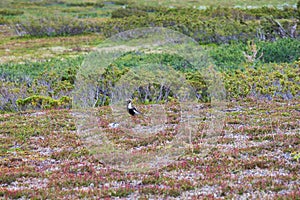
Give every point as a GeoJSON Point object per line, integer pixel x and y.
{"type": "Point", "coordinates": [38, 85]}
{"type": "Point", "coordinates": [52, 26]}
{"type": "Point", "coordinates": [285, 50]}
{"type": "Point", "coordinates": [50, 84]}
{"type": "Point", "coordinates": [98, 4]}
{"type": "Point", "coordinates": [232, 56]}
{"type": "Point", "coordinates": [268, 81]}
{"type": "Point", "coordinates": [9, 12]}
{"type": "Point", "coordinates": [213, 25]}
{"type": "Point", "coordinates": [121, 13]}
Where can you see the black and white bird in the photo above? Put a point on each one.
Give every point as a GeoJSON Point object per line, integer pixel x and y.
{"type": "Point", "coordinates": [131, 109]}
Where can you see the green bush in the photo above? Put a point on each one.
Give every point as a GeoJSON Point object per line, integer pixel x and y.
{"type": "Point", "coordinates": [54, 79]}
{"type": "Point", "coordinates": [98, 4]}
{"type": "Point", "coordinates": [9, 93]}
{"type": "Point", "coordinates": [285, 13]}
{"type": "Point", "coordinates": [131, 59]}
{"type": "Point", "coordinates": [3, 20]}
{"type": "Point", "coordinates": [51, 26]}
{"type": "Point", "coordinates": [249, 14]}
{"type": "Point", "coordinates": [199, 85]}
{"type": "Point", "coordinates": [228, 56]}
{"type": "Point", "coordinates": [268, 81]}
{"type": "Point", "coordinates": [232, 56]}
{"type": "Point", "coordinates": [9, 12]}
{"type": "Point", "coordinates": [120, 2]}
{"type": "Point", "coordinates": [87, 15]}
{"type": "Point", "coordinates": [42, 102]}
{"type": "Point", "coordinates": [66, 69]}
{"type": "Point", "coordinates": [283, 50]}
{"type": "Point", "coordinates": [127, 12]}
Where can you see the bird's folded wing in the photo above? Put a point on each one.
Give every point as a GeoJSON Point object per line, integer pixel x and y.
{"type": "Point", "coordinates": [136, 111]}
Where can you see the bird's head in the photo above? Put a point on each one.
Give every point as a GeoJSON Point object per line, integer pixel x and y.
{"type": "Point", "coordinates": [128, 101]}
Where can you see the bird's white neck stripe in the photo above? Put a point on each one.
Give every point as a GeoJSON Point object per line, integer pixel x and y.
{"type": "Point", "coordinates": [130, 106]}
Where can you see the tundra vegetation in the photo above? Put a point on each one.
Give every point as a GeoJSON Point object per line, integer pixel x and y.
{"type": "Point", "coordinates": [255, 49]}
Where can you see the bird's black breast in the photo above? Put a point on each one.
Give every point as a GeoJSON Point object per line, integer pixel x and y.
{"type": "Point", "coordinates": [131, 111]}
